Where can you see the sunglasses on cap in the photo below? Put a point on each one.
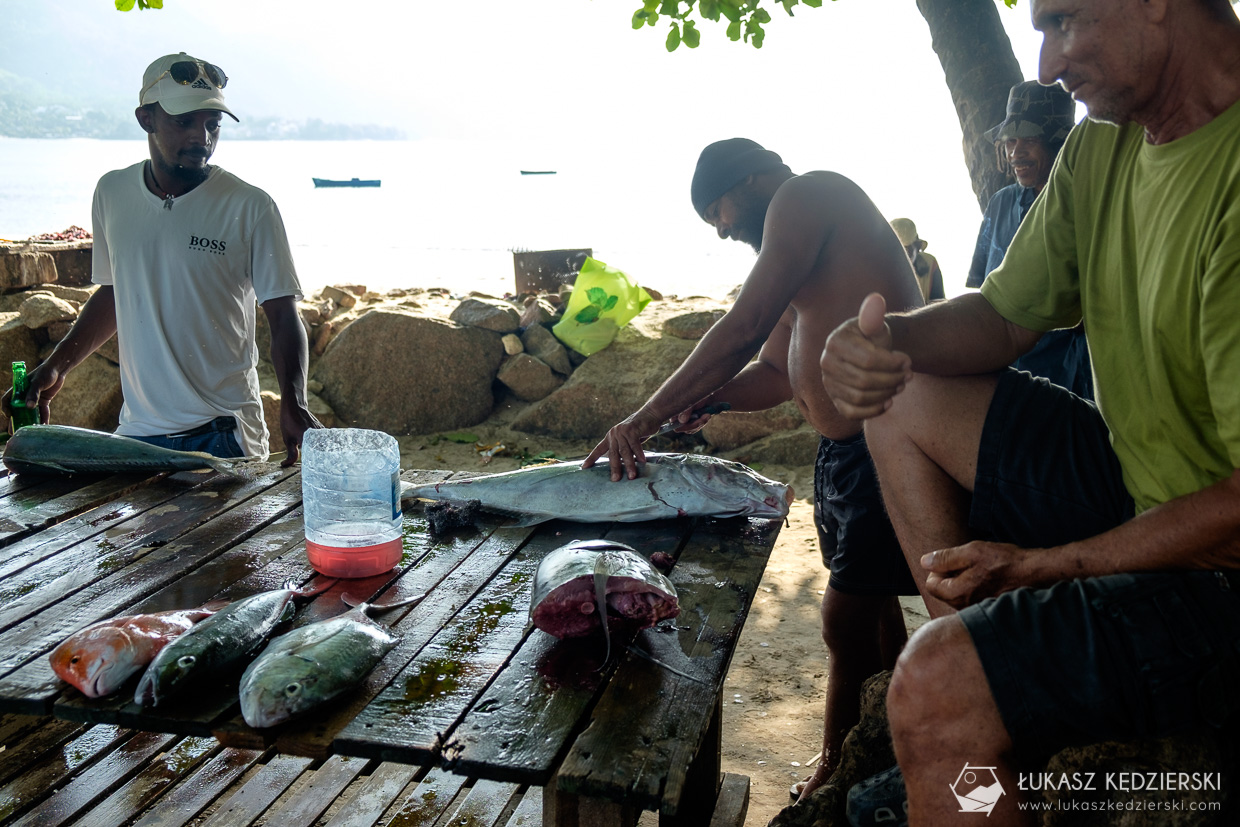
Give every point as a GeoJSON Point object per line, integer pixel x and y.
{"type": "Point", "coordinates": [186, 72]}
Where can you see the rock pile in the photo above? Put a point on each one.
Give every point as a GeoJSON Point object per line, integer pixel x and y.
{"type": "Point", "coordinates": [424, 361]}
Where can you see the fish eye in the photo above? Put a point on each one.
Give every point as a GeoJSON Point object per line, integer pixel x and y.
{"type": "Point", "coordinates": [292, 689]}
{"type": "Point", "coordinates": [75, 659]}
{"type": "Point", "coordinates": [186, 661]}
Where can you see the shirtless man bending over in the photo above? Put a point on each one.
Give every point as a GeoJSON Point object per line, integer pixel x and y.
{"type": "Point", "coordinates": [822, 246]}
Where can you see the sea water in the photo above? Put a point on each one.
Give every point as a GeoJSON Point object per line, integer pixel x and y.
{"type": "Point", "coordinates": [448, 213]}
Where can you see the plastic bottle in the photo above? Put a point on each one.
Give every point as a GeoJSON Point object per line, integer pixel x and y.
{"type": "Point", "coordinates": [21, 416]}
{"type": "Point", "coordinates": [350, 490]}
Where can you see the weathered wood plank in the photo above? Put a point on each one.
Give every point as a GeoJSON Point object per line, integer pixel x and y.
{"type": "Point", "coordinates": [650, 722]}
{"type": "Point", "coordinates": [520, 728]}
{"type": "Point", "coordinates": [62, 575]}
{"type": "Point", "coordinates": [427, 801]}
{"type": "Point", "coordinates": [25, 745]}
{"type": "Point", "coordinates": [30, 639]}
{"type": "Point", "coordinates": [529, 812]}
{"type": "Point", "coordinates": [302, 805]}
{"type": "Point", "coordinates": [410, 718]}
{"type": "Point", "coordinates": [183, 803]}
{"type": "Point", "coordinates": [87, 788]}
{"type": "Point", "coordinates": [93, 523]}
{"type": "Point", "coordinates": [36, 782]}
{"type": "Point", "coordinates": [488, 804]}
{"type": "Point", "coordinates": [452, 572]}
{"type": "Point", "coordinates": [158, 775]}
{"type": "Point", "coordinates": [733, 803]}
{"type": "Point", "coordinates": [365, 807]}
{"type": "Point", "coordinates": [256, 795]}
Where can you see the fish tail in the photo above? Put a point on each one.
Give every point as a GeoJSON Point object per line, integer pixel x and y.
{"type": "Point", "coordinates": [601, 573]}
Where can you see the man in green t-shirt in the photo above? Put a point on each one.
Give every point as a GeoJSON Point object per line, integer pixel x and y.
{"type": "Point", "coordinates": [1093, 553]}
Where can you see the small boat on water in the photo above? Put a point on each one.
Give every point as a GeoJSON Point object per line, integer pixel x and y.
{"type": "Point", "coordinates": [538, 172]}
{"type": "Point", "coordinates": [352, 182]}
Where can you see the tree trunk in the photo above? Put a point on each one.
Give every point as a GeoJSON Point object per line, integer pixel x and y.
{"type": "Point", "coordinates": [980, 66]}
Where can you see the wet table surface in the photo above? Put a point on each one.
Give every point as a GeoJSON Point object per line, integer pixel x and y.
{"type": "Point", "coordinates": [471, 689]}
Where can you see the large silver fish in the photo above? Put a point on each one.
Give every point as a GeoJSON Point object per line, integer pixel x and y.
{"type": "Point", "coordinates": [668, 485]}
{"type": "Point", "coordinates": [578, 585]}
{"type": "Point", "coordinates": [224, 641]}
{"type": "Point", "coordinates": [301, 670]}
{"type": "Point", "coordinates": [61, 449]}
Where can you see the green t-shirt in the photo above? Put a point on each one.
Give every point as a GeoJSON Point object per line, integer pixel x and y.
{"type": "Point", "coordinates": [1143, 242]}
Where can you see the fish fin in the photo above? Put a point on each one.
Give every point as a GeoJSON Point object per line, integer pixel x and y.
{"type": "Point", "coordinates": [381, 607]}
{"type": "Point", "coordinates": [601, 573]}
{"type": "Point", "coordinates": [311, 591]}
{"type": "Point", "coordinates": [642, 653]}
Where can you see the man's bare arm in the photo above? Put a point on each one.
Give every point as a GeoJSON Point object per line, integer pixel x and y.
{"type": "Point", "coordinates": [289, 357]}
{"type": "Point", "coordinates": [793, 236]}
{"type": "Point", "coordinates": [868, 359]}
{"type": "Point", "coordinates": [1196, 531]}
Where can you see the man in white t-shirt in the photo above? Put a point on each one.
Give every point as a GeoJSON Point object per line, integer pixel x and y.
{"type": "Point", "coordinates": [183, 251]}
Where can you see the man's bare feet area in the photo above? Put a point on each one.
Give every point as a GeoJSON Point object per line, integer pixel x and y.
{"type": "Point", "coordinates": [821, 773]}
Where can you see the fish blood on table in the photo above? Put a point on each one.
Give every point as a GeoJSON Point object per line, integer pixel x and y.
{"type": "Point", "coordinates": [668, 485]}
{"type": "Point", "coordinates": [579, 584]}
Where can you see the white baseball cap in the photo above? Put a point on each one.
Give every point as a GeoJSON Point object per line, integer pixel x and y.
{"type": "Point", "coordinates": [180, 83]}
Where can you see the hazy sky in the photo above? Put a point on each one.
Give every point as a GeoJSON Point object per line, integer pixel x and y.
{"type": "Point", "coordinates": [853, 86]}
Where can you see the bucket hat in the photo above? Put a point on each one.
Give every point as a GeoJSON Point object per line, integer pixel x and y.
{"type": "Point", "coordinates": [1036, 111]}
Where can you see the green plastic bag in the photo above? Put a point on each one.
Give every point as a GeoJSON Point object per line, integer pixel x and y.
{"type": "Point", "coordinates": [603, 301]}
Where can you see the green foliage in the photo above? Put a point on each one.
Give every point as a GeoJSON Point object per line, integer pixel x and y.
{"type": "Point", "coordinates": [127, 5]}
{"type": "Point", "coordinates": [746, 18]}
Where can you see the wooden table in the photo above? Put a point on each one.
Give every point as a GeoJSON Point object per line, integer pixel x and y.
{"type": "Point", "coordinates": [470, 694]}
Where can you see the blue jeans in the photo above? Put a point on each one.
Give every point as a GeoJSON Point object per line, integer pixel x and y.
{"type": "Point", "coordinates": [218, 438]}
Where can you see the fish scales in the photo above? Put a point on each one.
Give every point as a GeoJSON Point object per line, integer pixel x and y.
{"type": "Point", "coordinates": [62, 449]}
{"type": "Point", "coordinates": [301, 670]}
{"type": "Point", "coordinates": [669, 485]}
{"type": "Point", "coordinates": [97, 660]}
{"type": "Point", "coordinates": [221, 642]}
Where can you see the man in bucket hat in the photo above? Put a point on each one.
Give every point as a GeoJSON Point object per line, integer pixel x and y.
{"type": "Point", "coordinates": [183, 251]}
{"type": "Point", "coordinates": [1027, 141]}
{"type": "Point", "coordinates": [821, 245]}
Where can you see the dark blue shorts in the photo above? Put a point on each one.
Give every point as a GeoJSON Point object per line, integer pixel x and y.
{"type": "Point", "coordinates": [858, 544]}
{"type": "Point", "coordinates": [217, 438]}
{"type": "Point", "coordinates": [1106, 658]}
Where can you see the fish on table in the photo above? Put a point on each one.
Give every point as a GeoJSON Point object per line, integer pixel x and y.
{"type": "Point", "coordinates": [63, 449]}
{"type": "Point", "coordinates": [591, 585]}
{"type": "Point", "coordinates": [224, 641]}
{"type": "Point", "coordinates": [303, 669]}
{"type": "Point", "coordinates": [668, 485]}
{"type": "Point", "coordinates": [99, 659]}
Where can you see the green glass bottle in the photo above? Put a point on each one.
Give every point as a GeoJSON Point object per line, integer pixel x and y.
{"type": "Point", "coordinates": [20, 415]}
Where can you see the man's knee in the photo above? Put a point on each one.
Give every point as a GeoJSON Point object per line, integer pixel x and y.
{"type": "Point", "coordinates": [927, 686]}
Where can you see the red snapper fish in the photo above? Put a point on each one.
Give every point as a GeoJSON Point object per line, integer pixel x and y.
{"type": "Point", "coordinates": [99, 659]}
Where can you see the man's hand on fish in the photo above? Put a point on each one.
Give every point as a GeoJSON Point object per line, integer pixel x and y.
{"type": "Point", "coordinates": [623, 447]}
